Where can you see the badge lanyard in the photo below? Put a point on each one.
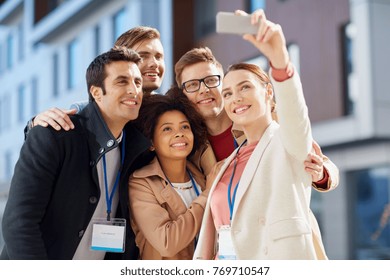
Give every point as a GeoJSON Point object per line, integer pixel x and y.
{"type": "Point", "coordinates": [232, 200]}
{"type": "Point", "coordinates": [192, 182]}
{"type": "Point", "coordinates": [235, 143]}
{"type": "Point", "coordinates": [110, 197]}
{"type": "Point", "coordinates": [195, 188]}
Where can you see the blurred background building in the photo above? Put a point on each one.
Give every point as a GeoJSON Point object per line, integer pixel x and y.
{"type": "Point", "coordinates": [340, 47]}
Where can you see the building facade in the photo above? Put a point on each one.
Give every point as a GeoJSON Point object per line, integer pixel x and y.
{"type": "Point", "coordinates": [339, 48]}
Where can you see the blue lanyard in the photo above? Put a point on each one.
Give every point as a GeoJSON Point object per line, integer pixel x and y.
{"type": "Point", "coordinates": [110, 197]}
{"type": "Point", "coordinates": [233, 199]}
{"type": "Point", "coordinates": [235, 143]}
{"type": "Point", "coordinates": [192, 182]}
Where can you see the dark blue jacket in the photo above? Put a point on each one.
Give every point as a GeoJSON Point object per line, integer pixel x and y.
{"type": "Point", "coordinates": [55, 189]}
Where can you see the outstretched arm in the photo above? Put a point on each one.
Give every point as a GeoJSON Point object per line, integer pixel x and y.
{"type": "Point", "coordinates": [292, 110]}
{"type": "Point", "coordinates": [271, 42]}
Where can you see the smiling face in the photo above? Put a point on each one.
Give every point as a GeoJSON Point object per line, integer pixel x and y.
{"type": "Point", "coordinates": [173, 137]}
{"type": "Point", "coordinates": [153, 66]}
{"type": "Point", "coordinates": [208, 102]}
{"type": "Point", "coordinates": [247, 99]}
{"type": "Point", "coordinates": [120, 100]}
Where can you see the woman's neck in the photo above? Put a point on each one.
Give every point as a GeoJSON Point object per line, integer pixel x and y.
{"type": "Point", "coordinates": [255, 130]}
{"type": "Point", "coordinates": [175, 170]}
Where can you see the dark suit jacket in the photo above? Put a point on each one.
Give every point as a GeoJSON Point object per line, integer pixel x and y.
{"type": "Point", "coordinates": [55, 189]}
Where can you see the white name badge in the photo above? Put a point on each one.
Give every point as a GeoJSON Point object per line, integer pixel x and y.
{"type": "Point", "coordinates": [225, 245]}
{"type": "Point", "coordinates": [108, 236]}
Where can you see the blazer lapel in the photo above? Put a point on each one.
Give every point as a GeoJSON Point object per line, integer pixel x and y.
{"type": "Point", "coordinates": [252, 164]}
{"type": "Point", "coordinates": [222, 170]}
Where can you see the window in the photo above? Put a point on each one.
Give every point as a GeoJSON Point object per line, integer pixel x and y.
{"type": "Point", "coordinates": [1, 115]}
{"type": "Point", "coordinates": [97, 40]}
{"type": "Point", "coordinates": [1, 59]}
{"type": "Point", "coordinates": [21, 103]}
{"type": "Point", "coordinates": [53, 4]}
{"type": "Point", "coordinates": [370, 212]}
{"type": "Point", "coordinates": [10, 51]}
{"type": "Point", "coordinates": [205, 12]}
{"type": "Point", "coordinates": [20, 42]}
{"type": "Point", "coordinates": [253, 5]}
{"type": "Point", "coordinates": [74, 64]}
{"type": "Point", "coordinates": [5, 117]}
{"type": "Point", "coordinates": [44, 7]}
{"type": "Point", "coordinates": [55, 61]}
{"type": "Point", "coordinates": [34, 96]}
{"type": "Point", "coordinates": [294, 52]}
{"type": "Point", "coordinates": [4, 113]}
{"type": "Point", "coordinates": [8, 165]}
{"type": "Point", "coordinates": [150, 13]}
{"type": "Point", "coordinates": [349, 77]}
{"type": "Point", "coordinates": [119, 24]}
{"type": "Point", "coordinates": [260, 60]}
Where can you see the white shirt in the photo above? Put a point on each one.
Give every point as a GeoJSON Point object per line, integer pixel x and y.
{"type": "Point", "coordinates": [186, 191]}
{"type": "Point", "coordinates": [113, 158]}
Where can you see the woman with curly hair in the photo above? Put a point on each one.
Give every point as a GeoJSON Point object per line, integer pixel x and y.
{"type": "Point", "coordinates": [168, 196]}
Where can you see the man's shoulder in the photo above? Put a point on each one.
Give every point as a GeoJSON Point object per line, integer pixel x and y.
{"type": "Point", "coordinates": [47, 133]}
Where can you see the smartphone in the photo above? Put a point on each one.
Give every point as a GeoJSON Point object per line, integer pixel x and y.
{"type": "Point", "coordinates": [235, 24]}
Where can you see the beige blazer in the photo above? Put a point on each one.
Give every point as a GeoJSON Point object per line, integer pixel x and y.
{"type": "Point", "coordinates": [164, 228]}
{"type": "Point", "coordinates": [271, 217]}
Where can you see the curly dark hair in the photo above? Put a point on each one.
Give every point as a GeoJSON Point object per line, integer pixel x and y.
{"type": "Point", "coordinates": [153, 106]}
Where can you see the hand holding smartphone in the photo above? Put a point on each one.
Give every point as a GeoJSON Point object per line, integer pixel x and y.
{"type": "Point", "coordinates": [235, 24]}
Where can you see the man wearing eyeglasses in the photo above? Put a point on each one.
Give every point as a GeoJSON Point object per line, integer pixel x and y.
{"type": "Point", "coordinates": [199, 74]}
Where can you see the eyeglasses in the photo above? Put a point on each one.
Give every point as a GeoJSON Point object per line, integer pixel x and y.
{"type": "Point", "coordinates": [211, 81]}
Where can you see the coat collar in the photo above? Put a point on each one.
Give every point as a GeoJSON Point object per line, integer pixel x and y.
{"type": "Point", "coordinates": [154, 169]}
{"type": "Point", "coordinates": [100, 138]}
{"type": "Point", "coordinates": [169, 195]}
